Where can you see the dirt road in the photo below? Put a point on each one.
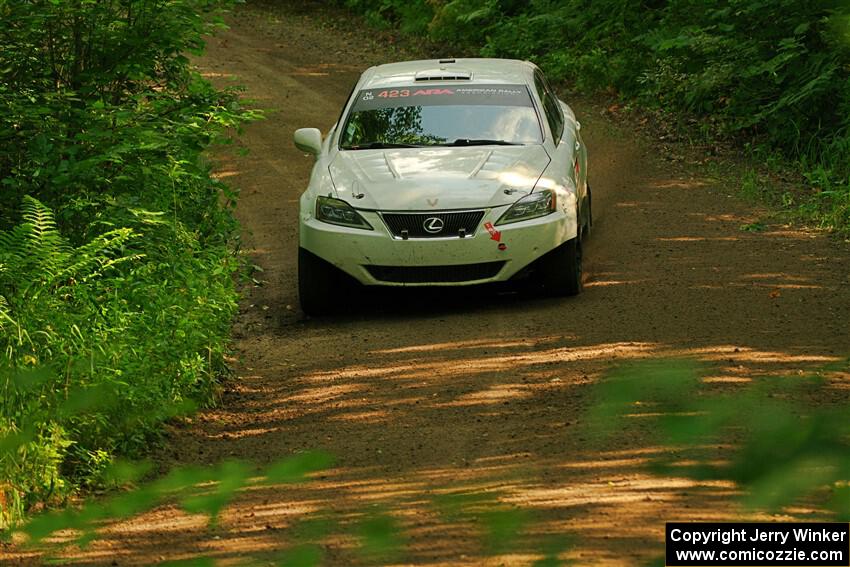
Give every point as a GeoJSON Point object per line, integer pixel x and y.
{"type": "Point", "coordinates": [416, 393]}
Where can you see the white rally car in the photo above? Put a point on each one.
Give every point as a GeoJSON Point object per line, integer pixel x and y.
{"type": "Point", "coordinates": [444, 173]}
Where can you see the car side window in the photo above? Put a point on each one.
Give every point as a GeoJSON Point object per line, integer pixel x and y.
{"type": "Point", "coordinates": [342, 112]}
{"type": "Point", "coordinates": [551, 107]}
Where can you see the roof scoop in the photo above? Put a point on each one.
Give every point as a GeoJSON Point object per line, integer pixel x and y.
{"type": "Point", "coordinates": [443, 74]}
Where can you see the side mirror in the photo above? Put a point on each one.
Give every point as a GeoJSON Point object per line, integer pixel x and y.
{"type": "Point", "coordinates": [308, 140]}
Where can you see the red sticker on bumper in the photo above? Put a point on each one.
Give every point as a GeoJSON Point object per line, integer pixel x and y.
{"type": "Point", "coordinates": [494, 234]}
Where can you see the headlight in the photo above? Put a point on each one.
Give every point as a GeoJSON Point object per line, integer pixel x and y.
{"type": "Point", "coordinates": [538, 204]}
{"type": "Point", "coordinates": [336, 211]}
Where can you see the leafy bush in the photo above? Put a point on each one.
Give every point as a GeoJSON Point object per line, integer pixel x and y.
{"type": "Point", "coordinates": [775, 73]}
{"type": "Point", "coordinates": [117, 247]}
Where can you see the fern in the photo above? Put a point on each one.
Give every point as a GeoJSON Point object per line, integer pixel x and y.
{"type": "Point", "coordinates": [92, 259]}
{"type": "Point", "coordinates": [35, 242]}
{"type": "Point", "coordinates": [35, 256]}
{"type": "Point", "coordinates": [43, 233]}
{"type": "Point", "coordinates": [43, 244]}
{"type": "Point", "coordinates": [12, 247]}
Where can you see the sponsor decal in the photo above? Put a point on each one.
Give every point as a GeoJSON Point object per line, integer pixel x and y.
{"type": "Point", "coordinates": [500, 95]}
{"type": "Point", "coordinates": [404, 93]}
{"type": "Point", "coordinates": [494, 234]}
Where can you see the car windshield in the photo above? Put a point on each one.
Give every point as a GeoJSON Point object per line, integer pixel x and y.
{"type": "Point", "coordinates": [441, 116]}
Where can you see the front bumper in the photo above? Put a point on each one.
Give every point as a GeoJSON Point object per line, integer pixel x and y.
{"type": "Point", "coordinates": [376, 257]}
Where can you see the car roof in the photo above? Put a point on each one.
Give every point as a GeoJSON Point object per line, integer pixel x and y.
{"type": "Point", "coordinates": [430, 71]}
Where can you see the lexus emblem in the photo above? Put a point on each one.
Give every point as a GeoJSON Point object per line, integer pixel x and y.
{"type": "Point", "coordinates": [433, 225]}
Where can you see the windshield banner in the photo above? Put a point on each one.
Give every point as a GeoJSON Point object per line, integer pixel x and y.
{"type": "Point", "coordinates": [430, 95]}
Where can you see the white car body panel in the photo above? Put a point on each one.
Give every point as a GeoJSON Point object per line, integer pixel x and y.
{"type": "Point", "coordinates": [443, 179]}
{"type": "Point", "coordinates": [437, 178]}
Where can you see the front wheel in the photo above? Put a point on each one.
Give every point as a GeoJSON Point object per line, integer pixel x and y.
{"type": "Point", "coordinates": [562, 271]}
{"type": "Point", "coordinates": [318, 284]}
{"type": "Point", "coordinates": [588, 217]}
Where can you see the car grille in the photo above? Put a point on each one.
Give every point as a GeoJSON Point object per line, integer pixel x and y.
{"type": "Point", "coordinates": [414, 223]}
{"type": "Point", "coordinates": [435, 274]}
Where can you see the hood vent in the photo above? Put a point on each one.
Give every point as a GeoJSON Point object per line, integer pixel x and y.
{"type": "Point", "coordinates": [443, 74]}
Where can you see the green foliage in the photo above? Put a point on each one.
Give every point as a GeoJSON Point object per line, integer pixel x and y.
{"type": "Point", "coordinates": [411, 17]}
{"type": "Point", "coordinates": [774, 73]}
{"type": "Point", "coordinates": [116, 245]}
{"type": "Point", "coordinates": [380, 537]}
{"type": "Point", "coordinates": [776, 448]}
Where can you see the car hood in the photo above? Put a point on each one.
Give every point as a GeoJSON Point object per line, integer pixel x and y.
{"type": "Point", "coordinates": [425, 179]}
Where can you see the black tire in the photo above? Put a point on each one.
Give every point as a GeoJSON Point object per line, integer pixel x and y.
{"type": "Point", "coordinates": [319, 285]}
{"type": "Point", "coordinates": [563, 270]}
{"type": "Point", "coordinates": [588, 217]}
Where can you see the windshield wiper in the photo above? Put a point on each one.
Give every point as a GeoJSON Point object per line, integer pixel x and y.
{"type": "Point", "coordinates": [480, 142]}
{"type": "Point", "coordinates": [379, 145]}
